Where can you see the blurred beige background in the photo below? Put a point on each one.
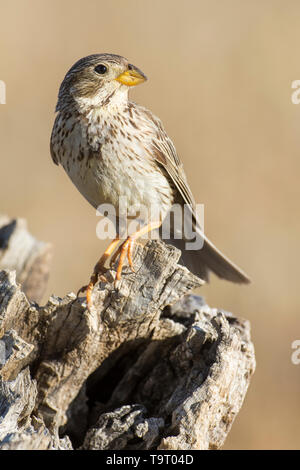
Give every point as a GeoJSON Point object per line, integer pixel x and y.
{"type": "Point", "coordinates": [220, 75]}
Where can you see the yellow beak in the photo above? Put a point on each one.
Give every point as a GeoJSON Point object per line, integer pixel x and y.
{"type": "Point", "coordinates": [133, 76]}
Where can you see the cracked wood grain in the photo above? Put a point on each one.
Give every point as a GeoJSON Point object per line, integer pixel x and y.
{"type": "Point", "coordinates": [22, 252]}
{"type": "Point", "coordinates": [150, 367]}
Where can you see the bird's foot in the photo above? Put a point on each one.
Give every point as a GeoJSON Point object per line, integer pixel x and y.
{"type": "Point", "coordinates": [97, 275]}
{"type": "Point", "coordinates": [125, 249]}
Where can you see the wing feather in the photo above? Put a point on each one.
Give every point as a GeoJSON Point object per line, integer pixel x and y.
{"type": "Point", "coordinates": [209, 258]}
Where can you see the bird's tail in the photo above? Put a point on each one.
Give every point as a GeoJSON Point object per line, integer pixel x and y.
{"type": "Point", "coordinates": [200, 262]}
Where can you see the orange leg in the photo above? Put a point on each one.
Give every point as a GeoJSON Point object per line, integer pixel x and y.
{"type": "Point", "coordinates": [127, 246]}
{"type": "Point", "coordinates": [129, 255]}
{"type": "Point", "coordinates": [100, 265]}
{"type": "Point", "coordinates": [124, 250]}
{"type": "Point", "coordinates": [98, 269]}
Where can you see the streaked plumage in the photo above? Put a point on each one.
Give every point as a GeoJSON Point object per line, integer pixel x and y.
{"type": "Point", "coordinates": [111, 147]}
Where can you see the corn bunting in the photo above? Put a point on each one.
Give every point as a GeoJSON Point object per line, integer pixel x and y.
{"type": "Point", "coordinates": [114, 149]}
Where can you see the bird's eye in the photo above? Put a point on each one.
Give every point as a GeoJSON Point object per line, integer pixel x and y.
{"type": "Point", "coordinates": [101, 69]}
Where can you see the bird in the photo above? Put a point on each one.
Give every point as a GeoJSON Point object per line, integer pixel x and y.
{"type": "Point", "coordinates": [113, 150]}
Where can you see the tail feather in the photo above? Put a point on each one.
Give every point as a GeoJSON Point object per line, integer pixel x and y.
{"type": "Point", "coordinates": [209, 258]}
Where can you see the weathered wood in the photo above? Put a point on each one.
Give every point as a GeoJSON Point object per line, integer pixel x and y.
{"type": "Point", "coordinates": [190, 379]}
{"type": "Point", "coordinates": [21, 252]}
{"type": "Point", "coordinates": [19, 429]}
{"type": "Point", "coordinates": [149, 367]}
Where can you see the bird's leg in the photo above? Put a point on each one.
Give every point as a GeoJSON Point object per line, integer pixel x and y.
{"type": "Point", "coordinates": [127, 247]}
{"type": "Point", "coordinates": [99, 268]}
{"type": "Point", "coordinates": [129, 255]}
{"type": "Point", "coordinates": [124, 250]}
{"type": "Point", "coordinates": [109, 250]}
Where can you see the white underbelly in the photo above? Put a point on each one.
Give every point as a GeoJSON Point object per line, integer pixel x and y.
{"type": "Point", "coordinates": [119, 173]}
{"type": "Point", "coordinates": [139, 192]}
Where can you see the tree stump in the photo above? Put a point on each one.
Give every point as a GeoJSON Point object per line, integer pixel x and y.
{"type": "Point", "coordinates": [150, 367]}
{"type": "Point", "coordinates": [21, 252]}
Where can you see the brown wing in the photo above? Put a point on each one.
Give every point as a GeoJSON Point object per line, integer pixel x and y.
{"type": "Point", "coordinates": [165, 154]}
{"type": "Point", "coordinates": [208, 258]}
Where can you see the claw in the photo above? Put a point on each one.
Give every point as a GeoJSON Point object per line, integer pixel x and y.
{"type": "Point", "coordinates": [81, 290]}
{"type": "Point", "coordinates": [98, 273]}
{"type": "Point", "coordinates": [89, 296]}
{"type": "Point", "coordinates": [89, 290]}
{"type": "Point", "coordinates": [125, 250]}
{"type": "Point", "coordinates": [129, 255]}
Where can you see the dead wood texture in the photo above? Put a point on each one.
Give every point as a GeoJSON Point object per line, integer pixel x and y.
{"type": "Point", "coordinates": [151, 367]}
{"type": "Point", "coordinates": [21, 252]}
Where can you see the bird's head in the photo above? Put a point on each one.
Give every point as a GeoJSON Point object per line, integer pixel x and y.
{"type": "Point", "coordinates": [98, 79]}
